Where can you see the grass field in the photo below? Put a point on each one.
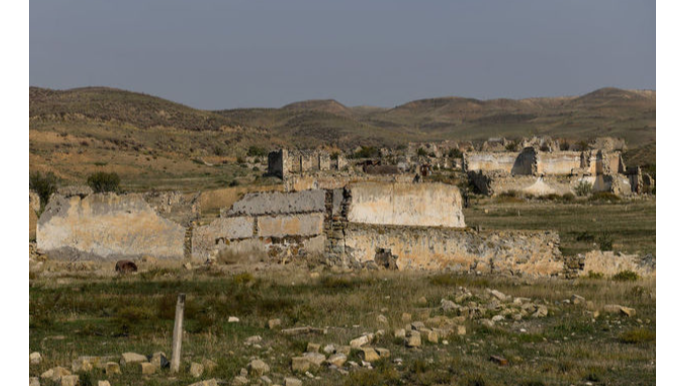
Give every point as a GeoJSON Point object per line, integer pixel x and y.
{"type": "Point", "coordinates": [629, 224]}
{"type": "Point", "coordinates": [73, 315]}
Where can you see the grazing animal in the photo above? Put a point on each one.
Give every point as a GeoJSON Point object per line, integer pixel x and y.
{"type": "Point", "coordinates": [124, 267]}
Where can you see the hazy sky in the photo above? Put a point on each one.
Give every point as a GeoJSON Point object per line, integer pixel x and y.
{"type": "Point", "coordinates": [228, 54]}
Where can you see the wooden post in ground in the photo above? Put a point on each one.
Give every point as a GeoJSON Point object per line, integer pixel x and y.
{"type": "Point", "coordinates": [177, 334]}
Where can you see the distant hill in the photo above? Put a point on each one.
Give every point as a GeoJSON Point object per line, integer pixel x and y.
{"type": "Point", "coordinates": [153, 141]}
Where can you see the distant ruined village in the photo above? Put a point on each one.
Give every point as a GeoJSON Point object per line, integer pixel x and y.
{"type": "Point", "coordinates": [383, 210]}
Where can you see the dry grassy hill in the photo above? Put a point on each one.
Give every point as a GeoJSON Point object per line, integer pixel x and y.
{"type": "Point", "coordinates": [153, 142]}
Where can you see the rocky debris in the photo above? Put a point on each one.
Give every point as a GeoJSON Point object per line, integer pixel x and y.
{"type": "Point", "coordinates": [313, 347]}
{"type": "Point", "coordinates": [300, 364]}
{"type": "Point", "coordinates": [337, 359]}
{"type": "Point", "coordinates": [406, 318]}
{"type": "Point", "coordinates": [159, 360]}
{"type": "Point", "coordinates": [33, 381]}
{"type": "Point", "coordinates": [292, 382]}
{"type": "Point", "coordinates": [417, 325]}
{"type": "Point", "coordinates": [422, 301]}
{"type": "Point", "coordinates": [209, 365]}
{"type": "Point", "coordinates": [103, 383]}
{"type": "Point", "coordinates": [499, 295]}
{"type": "Point", "coordinates": [499, 360]}
{"type": "Point", "coordinates": [112, 368]}
{"type": "Point", "coordinates": [35, 358]}
{"type": "Point", "coordinates": [540, 312]}
{"type": "Point", "coordinates": [414, 340]}
{"type": "Point", "coordinates": [618, 309]}
{"type": "Point", "coordinates": [303, 330]}
{"type": "Point", "coordinates": [196, 369]}
{"type": "Point", "coordinates": [131, 357]}
{"type": "Point", "coordinates": [368, 354]}
{"type": "Point", "coordinates": [429, 335]}
{"type": "Point", "coordinates": [329, 349]}
{"type": "Point", "coordinates": [381, 319]}
{"type": "Point", "coordinates": [448, 305]}
{"type": "Point", "coordinates": [383, 352]}
{"type": "Point", "coordinates": [252, 340]}
{"type": "Point", "coordinates": [82, 364]}
{"type": "Point", "coordinates": [274, 323]}
{"type": "Point", "coordinates": [233, 319]}
{"type": "Point", "coordinates": [69, 380]}
{"type": "Point", "coordinates": [307, 360]}
{"type": "Point", "coordinates": [577, 299]}
{"type": "Point", "coordinates": [400, 333]}
{"type": "Point", "coordinates": [343, 350]}
{"type": "Point", "coordinates": [240, 380]}
{"type": "Point", "coordinates": [55, 374]}
{"type": "Point", "coordinates": [258, 368]}
{"type": "Point", "coordinates": [361, 341]}
{"type": "Point", "coordinates": [147, 368]}
{"type": "Point", "coordinates": [461, 330]}
{"type": "Point", "coordinates": [209, 382]}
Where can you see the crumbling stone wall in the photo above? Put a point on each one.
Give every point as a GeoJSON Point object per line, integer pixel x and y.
{"type": "Point", "coordinates": [542, 173]}
{"type": "Point", "coordinates": [34, 207]}
{"type": "Point", "coordinates": [211, 202]}
{"type": "Point", "coordinates": [497, 183]}
{"type": "Point", "coordinates": [559, 163]}
{"type": "Point", "coordinates": [424, 204]}
{"type": "Point", "coordinates": [270, 224]}
{"type": "Point", "coordinates": [175, 206]}
{"type": "Point", "coordinates": [490, 161]}
{"type": "Point", "coordinates": [282, 163]}
{"type": "Point", "coordinates": [509, 252]}
{"type": "Point", "coordinates": [107, 227]}
{"type": "Point", "coordinates": [610, 263]}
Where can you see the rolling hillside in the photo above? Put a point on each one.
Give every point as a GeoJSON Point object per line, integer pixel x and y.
{"type": "Point", "coordinates": [153, 142]}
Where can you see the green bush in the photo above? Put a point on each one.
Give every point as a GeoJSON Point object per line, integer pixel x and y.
{"type": "Point", "coordinates": [102, 182]}
{"type": "Point", "coordinates": [584, 188]}
{"type": "Point", "coordinates": [626, 276]}
{"type": "Point", "coordinates": [44, 185]}
{"type": "Point", "coordinates": [605, 242]}
{"type": "Point", "coordinates": [366, 152]}
{"type": "Point", "coordinates": [604, 196]}
{"type": "Point", "coordinates": [454, 153]}
{"type": "Point", "coordinates": [422, 152]}
{"type": "Point", "coordinates": [256, 151]}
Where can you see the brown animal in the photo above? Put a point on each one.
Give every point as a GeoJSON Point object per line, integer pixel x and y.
{"type": "Point", "coordinates": [124, 267]}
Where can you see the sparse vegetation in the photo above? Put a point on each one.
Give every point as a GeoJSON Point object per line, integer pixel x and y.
{"type": "Point", "coordinates": [583, 189]}
{"type": "Point", "coordinates": [626, 276]}
{"type": "Point", "coordinates": [256, 151]}
{"type": "Point", "coordinates": [103, 182]}
{"type": "Point", "coordinates": [101, 316]}
{"type": "Point", "coordinates": [366, 152]}
{"type": "Point", "coordinates": [119, 125]}
{"type": "Point", "coordinates": [605, 242]}
{"type": "Point", "coordinates": [637, 336]}
{"type": "Point", "coordinates": [44, 185]}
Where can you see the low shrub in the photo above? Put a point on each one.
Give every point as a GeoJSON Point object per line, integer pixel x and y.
{"type": "Point", "coordinates": [605, 242]}
{"type": "Point", "coordinates": [583, 189]}
{"type": "Point", "coordinates": [636, 336]}
{"type": "Point", "coordinates": [44, 185]}
{"type": "Point", "coordinates": [102, 182]}
{"type": "Point", "coordinates": [626, 276]}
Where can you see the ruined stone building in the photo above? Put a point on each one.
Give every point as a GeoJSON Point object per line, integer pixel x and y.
{"type": "Point", "coordinates": [542, 172]}
{"type": "Point", "coordinates": [357, 214]}
{"type": "Point", "coordinates": [283, 163]}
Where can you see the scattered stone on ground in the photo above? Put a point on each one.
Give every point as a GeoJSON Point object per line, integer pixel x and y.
{"type": "Point", "coordinates": [499, 360]}
{"type": "Point", "coordinates": [383, 352]}
{"type": "Point", "coordinates": [253, 340]}
{"type": "Point", "coordinates": [406, 318]}
{"type": "Point", "coordinates": [337, 359]}
{"type": "Point", "coordinates": [103, 383]}
{"type": "Point", "coordinates": [257, 367]}
{"type": "Point", "coordinates": [240, 380]}
{"type": "Point", "coordinates": [33, 381]}
{"type": "Point", "coordinates": [35, 358]}
{"type": "Point", "coordinates": [69, 380]}
{"type": "Point", "coordinates": [112, 368]}
{"type": "Point", "coordinates": [618, 309]}
{"type": "Point", "coordinates": [274, 323]}
{"type": "Point", "coordinates": [159, 360]}
{"type": "Point", "coordinates": [55, 373]}
{"type": "Point", "coordinates": [209, 365]}
{"type": "Point", "coordinates": [131, 357]}
{"type": "Point", "coordinates": [196, 369]}
{"type": "Point", "coordinates": [313, 347]}
{"type": "Point", "coordinates": [233, 319]}
{"type": "Point", "coordinates": [414, 340]}
{"type": "Point", "coordinates": [368, 354]}
{"type": "Point", "coordinates": [292, 382]}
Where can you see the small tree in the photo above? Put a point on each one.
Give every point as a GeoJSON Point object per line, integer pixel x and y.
{"type": "Point", "coordinates": [102, 182]}
{"type": "Point", "coordinates": [422, 152]}
{"type": "Point", "coordinates": [44, 185]}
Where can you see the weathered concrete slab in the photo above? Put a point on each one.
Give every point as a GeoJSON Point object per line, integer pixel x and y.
{"type": "Point", "coordinates": [426, 204]}
{"type": "Point", "coordinates": [206, 238]}
{"type": "Point", "coordinates": [280, 203]}
{"type": "Point", "coordinates": [107, 226]}
{"type": "Point", "coordinates": [295, 225]}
